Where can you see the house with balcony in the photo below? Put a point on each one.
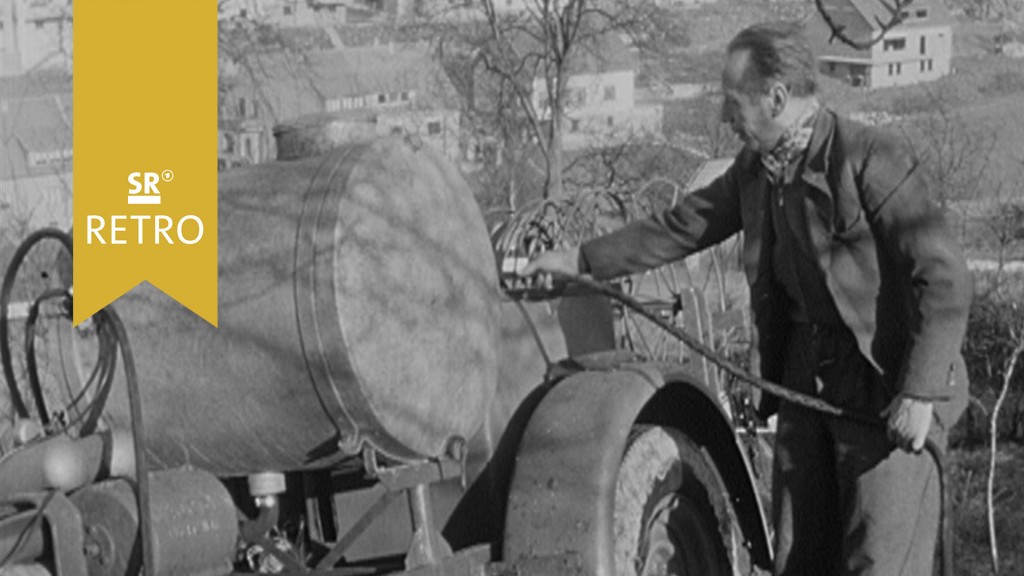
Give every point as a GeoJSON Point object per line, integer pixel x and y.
{"type": "Point", "coordinates": [918, 49]}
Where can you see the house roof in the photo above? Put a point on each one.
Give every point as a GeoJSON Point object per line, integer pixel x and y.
{"type": "Point", "coordinates": [299, 85]}
{"type": "Point", "coordinates": [35, 125]}
{"type": "Point", "coordinates": [862, 20]}
{"type": "Point", "coordinates": [373, 69]}
{"type": "Point", "coordinates": [608, 53]}
{"type": "Point", "coordinates": [37, 83]}
{"type": "Point", "coordinates": [601, 53]}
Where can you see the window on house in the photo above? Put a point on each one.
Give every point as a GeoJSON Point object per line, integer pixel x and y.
{"type": "Point", "coordinates": [287, 10]}
{"type": "Point", "coordinates": [609, 93]}
{"type": "Point", "coordinates": [434, 127]}
{"type": "Point", "coordinates": [241, 107]}
{"type": "Point", "coordinates": [576, 97]}
{"type": "Point", "coordinates": [405, 96]}
{"type": "Point", "coordinates": [890, 69]}
{"type": "Point", "coordinates": [382, 98]}
{"type": "Point", "coordinates": [832, 67]}
{"type": "Point", "coordinates": [40, 24]}
{"type": "Point", "coordinates": [247, 143]}
{"type": "Point", "coordinates": [333, 105]}
{"type": "Point", "coordinates": [929, 64]}
{"type": "Point", "coordinates": [899, 68]}
{"type": "Point", "coordinates": [923, 41]}
{"type": "Point", "coordinates": [923, 13]}
{"type": "Point", "coordinates": [49, 157]}
{"type": "Point", "coordinates": [611, 121]}
{"type": "Point", "coordinates": [894, 44]}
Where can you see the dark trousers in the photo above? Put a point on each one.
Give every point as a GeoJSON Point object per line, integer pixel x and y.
{"type": "Point", "coordinates": [844, 499]}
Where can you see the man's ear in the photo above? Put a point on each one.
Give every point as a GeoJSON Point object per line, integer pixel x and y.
{"type": "Point", "coordinates": [778, 98]}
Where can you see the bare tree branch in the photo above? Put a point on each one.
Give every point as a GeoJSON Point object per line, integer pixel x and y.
{"type": "Point", "coordinates": [1011, 365]}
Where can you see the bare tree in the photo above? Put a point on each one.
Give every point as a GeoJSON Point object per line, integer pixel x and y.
{"type": "Point", "coordinates": [1004, 221]}
{"type": "Point", "coordinates": [955, 153]}
{"type": "Point", "coordinates": [528, 55]}
{"type": "Point", "coordinates": [253, 55]}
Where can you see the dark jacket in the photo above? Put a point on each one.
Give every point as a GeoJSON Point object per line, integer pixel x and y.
{"type": "Point", "coordinates": [898, 276]}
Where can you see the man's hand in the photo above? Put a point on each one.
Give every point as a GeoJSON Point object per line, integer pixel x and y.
{"type": "Point", "coordinates": [565, 262]}
{"type": "Point", "coordinates": [908, 422]}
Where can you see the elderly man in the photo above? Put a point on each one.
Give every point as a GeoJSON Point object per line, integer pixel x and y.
{"type": "Point", "coordinates": [860, 296]}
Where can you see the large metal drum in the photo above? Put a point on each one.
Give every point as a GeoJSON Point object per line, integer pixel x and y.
{"type": "Point", "coordinates": [357, 306]}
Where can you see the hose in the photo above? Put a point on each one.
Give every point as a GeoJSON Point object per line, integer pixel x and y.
{"type": "Point", "coordinates": [936, 453]}
{"type": "Point", "coordinates": [112, 337]}
{"type": "Point", "coordinates": [30, 352]}
{"type": "Point", "coordinates": [20, 408]}
{"type": "Point", "coordinates": [138, 439]}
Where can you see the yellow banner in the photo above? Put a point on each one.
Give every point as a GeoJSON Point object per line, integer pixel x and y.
{"type": "Point", "coordinates": [145, 152]}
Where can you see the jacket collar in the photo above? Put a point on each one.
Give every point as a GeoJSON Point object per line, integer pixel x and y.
{"type": "Point", "coordinates": [819, 202]}
{"type": "Point", "coordinates": [817, 162]}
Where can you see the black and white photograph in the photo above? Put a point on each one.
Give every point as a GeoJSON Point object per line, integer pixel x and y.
{"type": "Point", "coordinates": [528, 288]}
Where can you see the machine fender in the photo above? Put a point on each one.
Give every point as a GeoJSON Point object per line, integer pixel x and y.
{"type": "Point", "coordinates": [562, 492]}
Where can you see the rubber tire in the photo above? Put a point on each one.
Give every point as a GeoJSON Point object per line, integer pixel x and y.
{"type": "Point", "coordinates": [669, 499]}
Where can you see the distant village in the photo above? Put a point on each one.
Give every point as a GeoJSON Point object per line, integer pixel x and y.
{"type": "Point", "coordinates": [337, 70]}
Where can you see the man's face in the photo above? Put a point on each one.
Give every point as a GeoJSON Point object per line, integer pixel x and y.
{"type": "Point", "coordinates": [749, 115]}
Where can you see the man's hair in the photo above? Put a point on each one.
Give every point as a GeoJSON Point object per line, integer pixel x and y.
{"type": "Point", "coordinates": [776, 52]}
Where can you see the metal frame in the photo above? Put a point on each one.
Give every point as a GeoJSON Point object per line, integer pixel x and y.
{"type": "Point", "coordinates": [61, 522]}
{"type": "Point", "coordinates": [428, 552]}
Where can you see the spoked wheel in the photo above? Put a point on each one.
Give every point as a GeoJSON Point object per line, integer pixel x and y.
{"type": "Point", "coordinates": [672, 513]}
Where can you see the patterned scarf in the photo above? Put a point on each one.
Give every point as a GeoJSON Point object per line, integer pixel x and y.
{"type": "Point", "coordinates": [791, 144]}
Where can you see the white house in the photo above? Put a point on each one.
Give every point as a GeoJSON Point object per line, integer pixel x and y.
{"type": "Point", "coordinates": [601, 105]}
{"type": "Point", "coordinates": [919, 49]}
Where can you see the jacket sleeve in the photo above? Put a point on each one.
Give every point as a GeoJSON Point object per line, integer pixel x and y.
{"type": "Point", "coordinates": [703, 218]}
{"type": "Point", "coordinates": [915, 235]}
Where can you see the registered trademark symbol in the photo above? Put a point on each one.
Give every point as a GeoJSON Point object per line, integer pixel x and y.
{"type": "Point", "coordinates": [167, 175]}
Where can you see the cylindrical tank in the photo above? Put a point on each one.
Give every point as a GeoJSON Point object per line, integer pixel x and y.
{"type": "Point", "coordinates": [357, 305]}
